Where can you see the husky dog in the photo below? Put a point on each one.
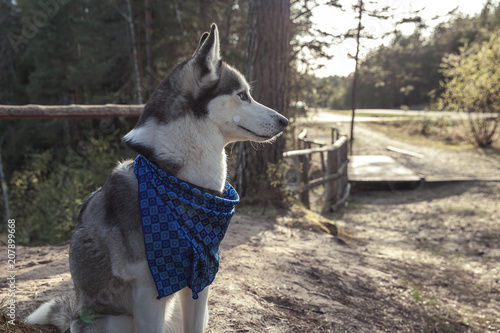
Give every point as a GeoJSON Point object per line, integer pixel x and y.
{"type": "Point", "coordinates": [200, 107]}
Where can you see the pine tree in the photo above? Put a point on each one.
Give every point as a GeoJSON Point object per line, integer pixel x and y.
{"type": "Point", "coordinates": [266, 64]}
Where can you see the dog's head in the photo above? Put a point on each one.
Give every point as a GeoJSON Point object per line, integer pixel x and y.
{"type": "Point", "coordinates": [207, 90]}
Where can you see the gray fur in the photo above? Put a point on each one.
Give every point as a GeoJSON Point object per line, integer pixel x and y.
{"type": "Point", "coordinates": [61, 311]}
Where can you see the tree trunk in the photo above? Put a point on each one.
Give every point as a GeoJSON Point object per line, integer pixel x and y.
{"type": "Point", "coordinates": [266, 66]}
{"type": "Point", "coordinates": [355, 76]}
{"type": "Point", "coordinates": [137, 79]}
{"type": "Point", "coordinates": [149, 34]}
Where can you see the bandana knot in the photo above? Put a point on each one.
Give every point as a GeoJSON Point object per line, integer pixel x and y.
{"type": "Point", "coordinates": [182, 227]}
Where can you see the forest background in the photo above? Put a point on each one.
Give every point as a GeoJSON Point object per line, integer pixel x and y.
{"type": "Point", "coordinates": [57, 52]}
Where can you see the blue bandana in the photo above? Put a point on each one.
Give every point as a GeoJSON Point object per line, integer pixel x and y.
{"type": "Point", "coordinates": [182, 228]}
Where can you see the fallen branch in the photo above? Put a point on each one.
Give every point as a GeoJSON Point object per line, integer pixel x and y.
{"type": "Point", "coordinates": [404, 151]}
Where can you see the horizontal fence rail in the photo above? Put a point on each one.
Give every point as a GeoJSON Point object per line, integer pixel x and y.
{"type": "Point", "coordinates": [32, 111]}
{"type": "Point", "coordinates": [334, 177]}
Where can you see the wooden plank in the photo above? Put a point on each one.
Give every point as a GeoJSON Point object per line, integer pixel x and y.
{"type": "Point", "coordinates": [314, 142]}
{"type": "Point", "coordinates": [379, 169]}
{"type": "Point", "coordinates": [336, 145]}
{"type": "Point", "coordinates": [405, 152]}
{"type": "Point", "coordinates": [69, 111]}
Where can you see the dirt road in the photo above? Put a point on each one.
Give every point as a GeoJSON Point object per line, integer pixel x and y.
{"type": "Point", "coordinates": [436, 162]}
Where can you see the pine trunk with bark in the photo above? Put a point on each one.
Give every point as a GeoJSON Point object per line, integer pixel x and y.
{"type": "Point", "coordinates": [266, 67]}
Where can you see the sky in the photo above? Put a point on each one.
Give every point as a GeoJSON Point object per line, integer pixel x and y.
{"type": "Point", "coordinates": [335, 21]}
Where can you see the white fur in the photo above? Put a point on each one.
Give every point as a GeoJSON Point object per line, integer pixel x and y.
{"type": "Point", "coordinates": [119, 324]}
{"type": "Point", "coordinates": [184, 141]}
{"type": "Point", "coordinates": [194, 312]}
{"type": "Point", "coordinates": [149, 312]}
{"type": "Point", "coordinates": [235, 118]}
{"type": "Point", "coordinates": [41, 315]}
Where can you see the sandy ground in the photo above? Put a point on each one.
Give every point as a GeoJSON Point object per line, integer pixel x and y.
{"type": "Point", "coordinates": [426, 260]}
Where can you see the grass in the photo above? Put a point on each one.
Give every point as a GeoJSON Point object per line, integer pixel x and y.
{"type": "Point", "coordinates": [430, 132]}
{"type": "Point", "coordinates": [355, 205]}
{"type": "Point", "coordinates": [21, 327]}
{"type": "Point", "coordinates": [343, 112]}
{"type": "Point", "coordinates": [439, 132]}
{"type": "Point", "coordinates": [414, 289]}
{"type": "Point", "coordinates": [416, 293]}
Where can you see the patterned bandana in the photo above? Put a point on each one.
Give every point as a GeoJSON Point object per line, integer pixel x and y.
{"type": "Point", "coordinates": [182, 228]}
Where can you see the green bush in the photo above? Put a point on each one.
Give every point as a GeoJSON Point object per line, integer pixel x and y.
{"type": "Point", "coordinates": [45, 189]}
{"type": "Point", "coordinates": [472, 85]}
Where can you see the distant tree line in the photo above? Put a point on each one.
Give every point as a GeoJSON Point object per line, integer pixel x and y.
{"type": "Point", "coordinates": [407, 72]}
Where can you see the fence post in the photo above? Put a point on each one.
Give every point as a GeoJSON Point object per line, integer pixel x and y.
{"type": "Point", "coordinates": [323, 168]}
{"type": "Point", "coordinates": [329, 190]}
{"type": "Point", "coordinates": [331, 187]}
{"type": "Point", "coordinates": [340, 183]}
{"type": "Point", "coordinates": [344, 157]}
{"type": "Point", "coordinates": [304, 179]}
{"type": "Point", "coordinates": [335, 134]}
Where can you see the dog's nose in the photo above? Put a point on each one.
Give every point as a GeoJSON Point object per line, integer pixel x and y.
{"type": "Point", "coordinates": [283, 121]}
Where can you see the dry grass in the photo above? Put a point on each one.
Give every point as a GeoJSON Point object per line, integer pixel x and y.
{"type": "Point", "coordinates": [21, 327]}
{"type": "Point", "coordinates": [433, 132]}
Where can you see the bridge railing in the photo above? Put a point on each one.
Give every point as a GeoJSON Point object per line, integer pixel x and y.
{"type": "Point", "coordinates": [334, 171]}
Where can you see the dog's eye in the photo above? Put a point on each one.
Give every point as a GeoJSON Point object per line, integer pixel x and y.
{"type": "Point", "coordinates": [243, 96]}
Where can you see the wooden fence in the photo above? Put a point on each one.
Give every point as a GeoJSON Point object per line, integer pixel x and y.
{"type": "Point", "coordinates": [334, 172]}
{"type": "Point", "coordinates": [334, 168]}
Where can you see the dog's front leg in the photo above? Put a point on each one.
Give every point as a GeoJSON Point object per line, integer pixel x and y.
{"type": "Point", "coordinates": [194, 311]}
{"type": "Point", "coordinates": [149, 312]}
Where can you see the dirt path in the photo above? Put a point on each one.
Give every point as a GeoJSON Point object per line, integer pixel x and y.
{"type": "Point", "coordinates": [426, 260]}
{"type": "Point", "coordinates": [436, 162]}
{"type": "Point", "coordinates": [273, 279]}
{"type": "Point", "coordinates": [442, 245]}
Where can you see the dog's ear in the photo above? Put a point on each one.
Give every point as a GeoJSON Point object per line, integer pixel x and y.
{"type": "Point", "coordinates": [207, 56]}
{"type": "Point", "coordinates": [200, 44]}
